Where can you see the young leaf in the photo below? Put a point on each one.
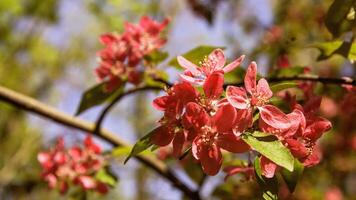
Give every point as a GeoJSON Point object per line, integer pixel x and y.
{"type": "Point", "coordinates": [269, 146]}
{"type": "Point", "coordinates": [336, 21]}
{"type": "Point", "coordinates": [156, 57]}
{"type": "Point", "coordinates": [141, 145]}
{"type": "Point", "coordinates": [106, 177]}
{"type": "Point", "coordinates": [269, 195]}
{"type": "Point", "coordinates": [291, 178]}
{"type": "Point", "coordinates": [283, 85]}
{"type": "Point", "coordinates": [327, 49]}
{"type": "Point", "coordinates": [287, 72]}
{"type": "Point", "coordinates": [95, 96]}
{"type": "Point", "coordinates": [195, 55]}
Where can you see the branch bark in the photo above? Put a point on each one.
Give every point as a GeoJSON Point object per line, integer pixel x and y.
{"type": "Point", "coordinates": [36, 107]}
{"type": "Point", "coordinates": [312, 78]}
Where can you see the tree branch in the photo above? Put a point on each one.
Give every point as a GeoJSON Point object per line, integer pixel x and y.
{"type": "Point", "coordinates": [325, 80]}
{"type": "Point", "coordinates": [34, 106]}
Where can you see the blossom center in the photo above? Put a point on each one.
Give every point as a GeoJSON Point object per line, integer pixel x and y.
{"type": "Point", "coordinates": [208, 65]}
{"type": "Point", "coordinates": [209, 135]}
{"type": "Point", "coordinates": [258, 99]}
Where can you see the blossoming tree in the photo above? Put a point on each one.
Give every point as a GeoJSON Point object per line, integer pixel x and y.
{"type": "Point", "coordinates": [264, 129]}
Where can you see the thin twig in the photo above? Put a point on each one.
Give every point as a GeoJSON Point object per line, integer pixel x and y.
{"type": "Point", "coordinates": [325, 80]}
{"type": "Point", "coordinates": [105, 111]}
{"type": "Point", "coordinates": [29, 104]}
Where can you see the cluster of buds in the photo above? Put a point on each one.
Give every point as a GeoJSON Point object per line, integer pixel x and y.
{"type": "Point", "coordinates": [119, 60]}
{"type": "Point", "coordinates": [212, 120]}
{"type": "Point", "coordinates": [76, 165]}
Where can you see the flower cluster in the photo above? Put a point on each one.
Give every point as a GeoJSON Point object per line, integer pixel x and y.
{"type": "Point", "coordinates": [119, 60]}
{"type": "Point", "coordinates": [213, 120]}
{"type": "Point", "coordinates": [75, 165]}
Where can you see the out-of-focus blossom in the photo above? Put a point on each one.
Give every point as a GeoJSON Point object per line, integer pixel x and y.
{"type": "Point", "coordinates": [118, 61]}
{"type": "Point", "coordinates": [76, 165]}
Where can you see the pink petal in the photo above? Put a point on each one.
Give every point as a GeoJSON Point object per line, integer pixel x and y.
{"type": "Point", "coordinates": [232, 170]}
{"type": "Point", "coordinates": [43, 158]}
{"type": "Point", "coordinates": [232, 143]}
{"type": "Point", "coordinates": [195, 148]}
{"type": "Point", "coordinates": [244, 120]}
{"type": "Point", "coordinates": [192, 80]}
{"type": "Point", "coordinates": [160, 103]}
{"type": "Point", "coordinates": [317, 128]}
{"type": "Point", "coordinates": [314, 158]}
{"type": "Point", "coordinates": [224, 118]}
{"type": "Point", "coordinates": [87, 182]}
{"type": "Point", "coordinates": [250, 77]}
{"type": "Point", "coordinates": [217, 56]}
{"type": "Point", "coordinates": [178, 143]}
{"type": "Point", "coordinates": [75, 152]}
{"type": "Point", "coordinates": [107, 39]}
{"type": "Point", "coordinates": [268, 167]}
{"type": "Point", "coordinates": [88, 142]}
{"type": "Point", "coordinates": [274, 117]}
{"type": "Point", "coordinates": [195, 116]}
{"type": "Point", "coordinates": [298, 123]}
{"type": "Point", "coordinates": [162, 136]}
{"type": "Point", "coordinates": [213, 86]}
{"type": "Point", "coordinates": [51, 180]}
{"type": "Point", "coordinates": [297, 148]}
{"type": "Point", "coordinates": [210, 159]}
{"type": "Point", "coordinates": [237, 97]}
{"type": "Point", "coordinates": [263, 89]}
{"type": "Point", "coordinates": [233, 64]}
{"type": "Point", "coordinates": [186, 64]}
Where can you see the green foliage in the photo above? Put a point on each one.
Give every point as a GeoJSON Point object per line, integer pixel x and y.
{"type": "Point", "coordinates": [96, 95]}
{"type": "Point", "coordinates": [237, 75]}
{"type": "Point", "coordinates": [345, 49]}
{"type": "Point", "coordinates": [141, 145]}
{"type": "Point", "coordinates": [336, 18]}
{"type": "Point", "coordinates": [269, 146]}
{"type": "Point", "coordinates": [283, 85]}
{"type": "Point", "coordinates": [156, 57]}
{"type": "Point", "coordinates": [105, 176]}
{"type": "Point", "coordinates": [195, 55]}
{"type": "Point", "coordinates": [292, 178]}
{"type": "Point", "coordinates": [287, 72]}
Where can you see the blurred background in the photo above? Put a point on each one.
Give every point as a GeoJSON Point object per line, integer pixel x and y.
{"type": "Point", "coordinates": [48, 51]}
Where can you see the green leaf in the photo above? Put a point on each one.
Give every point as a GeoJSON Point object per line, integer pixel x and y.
{"type": "Point", "coordinates": [258, 170]}
{"type": "Point", "coordinates": [292, 178]}
{"type": "Point", "coordinates": [287, 72]}
{"type": "Point", "coordinates": [269, 195]}
{"type": "Point", "coordinates": [150, 77]}
{"type": "Point", "coordinates": [141, 145]}
{"type": "Point", "coordinates": [156, 57]}
{"type": "Point", "coordinates": [106, 177]}
{"type": "Point", "coordinates": [96, 95]}
{"type": "Point", "coordinates": [345, 49]}
{"type": "Point", "coordinates": [120, 151]}
{"type": "Point", "coordinates": [237, 75]}
{"type": "Point", "coordinates": [283, 85]}
{"type": "Point", "coordinates": [195, 55]}
{"type": "Point", "coordinates": [269, 146]}
{"type": "Point", "coordinates": [336, 17]}
{"type": "Point", "coordinates": [269, 186]}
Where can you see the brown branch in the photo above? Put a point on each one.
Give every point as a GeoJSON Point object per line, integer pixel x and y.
{"type": "Point", "coordinates": [325, 80]}
{"type": "Point", "coordinates": [34, 106]}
